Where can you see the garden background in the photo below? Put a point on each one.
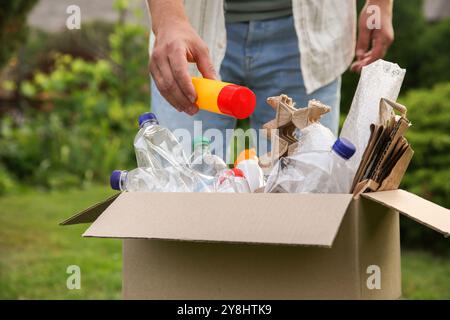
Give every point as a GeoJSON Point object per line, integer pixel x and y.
{"type": "Point", "coordinates": [69, 101]}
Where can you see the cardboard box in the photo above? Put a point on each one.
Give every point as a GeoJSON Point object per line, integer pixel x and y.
{"type": "Point", "coordinates": [260, 246]}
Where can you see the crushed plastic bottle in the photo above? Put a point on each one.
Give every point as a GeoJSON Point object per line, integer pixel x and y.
{"type": "Point", "coordinates": [247, 162]}
{"type": "Point", "coordinates": [205, 165]}
{"type": "Point", "coordinates": [314, 137]}
{"type": "Point", "coordinates": [314, 171]}
{"type": "Point", "coordinates": [233, 181]}
{"type": "Point", "coordinates": [156, 147]}
{"type": "Point", "coordinates": [165, 180]}
{"type": "Point", "coordinates": [203, 161]}
{"type": "Point", "coordinates": [138, 180]}
{"type": "Point", "coordinates": [145, 179]}
{"type": "Point", "coordinates": [341, 178]}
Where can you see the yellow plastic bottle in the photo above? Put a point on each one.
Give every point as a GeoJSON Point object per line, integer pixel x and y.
{"type": "Point", "coordinates": [246, 154]}
{"type": "Point", "coordinates": [224, 98]}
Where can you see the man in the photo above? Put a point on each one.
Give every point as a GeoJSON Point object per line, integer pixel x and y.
{"type": "Point", "coordinates": [296, 47]}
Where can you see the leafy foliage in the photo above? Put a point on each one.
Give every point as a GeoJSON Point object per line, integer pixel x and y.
{"type": "Point", "coordinates": [13, 27]}
{"type": "Point", "coordinates": [429, 172]}
{"type": "Point", "coordinates": [93, 107]}
{"type": "Point", "coordinates": [435, 62]}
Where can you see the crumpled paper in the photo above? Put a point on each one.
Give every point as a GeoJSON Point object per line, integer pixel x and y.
{"type": "Point", "coordinates": [380, 79]}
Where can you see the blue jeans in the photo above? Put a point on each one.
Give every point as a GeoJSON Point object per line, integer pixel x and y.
{"type": "Point", "coordinates": [264, 56]}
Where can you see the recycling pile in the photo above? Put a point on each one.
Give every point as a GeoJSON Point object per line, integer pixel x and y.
{"type": "Point", "coordinates": [306, 157]}
{"type": "Point", "coordinates": [164, 167]}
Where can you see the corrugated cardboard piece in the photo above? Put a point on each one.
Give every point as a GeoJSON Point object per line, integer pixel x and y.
{"type": "Point", "coordinates": [155, 269]}
{"type": "Point", "coordinates": [416, 208]}
{"type": "Point", "coordinates": [224, 217]}
{"type": "Point", "coordinates": [281, 130]}
{"type": "Point", "coordinates": [91, 213]}
{"type": "Point", "coordinates": [244, 218]}
{"type": "Point", "coordinates": [388, 153]}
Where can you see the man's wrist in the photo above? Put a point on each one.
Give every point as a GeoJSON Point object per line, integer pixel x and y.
{"type": "Point", "coordinates": [170, 23]}
{"type": "Point", "coordinates": [166, 13]}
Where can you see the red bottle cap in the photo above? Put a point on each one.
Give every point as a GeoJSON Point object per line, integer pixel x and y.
{"type": "Point", "coordinates": [236, 101]}
{"type": "Point", "coordinates": [238, 172]}
{"type": "Point", "coordinates": [231, 172]}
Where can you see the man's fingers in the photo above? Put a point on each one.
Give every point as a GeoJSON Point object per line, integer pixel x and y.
{"type": "Point", "coordinates": [378, 51]}
{"type": "Point", "coordinates": [158, 80]}
{"type": "Point", "coordinates": [170, 90]}
{"type": "Point", "coordinates": [372, 44]}
{"type": "Point", "coordinates": [204, 63]}
{"type": "Point", "coordinates": [175, 91]}
{"type": "Point", "coordinates": [362, 44]}
{"type": "Point", "coordinates": [179, 66]}
{"type": "Point", "coordinates": [161, 85]}
{"type": "Point", "coordinates": [356, 66]}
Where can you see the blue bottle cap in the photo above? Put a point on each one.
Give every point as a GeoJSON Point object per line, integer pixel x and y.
{"type": "Point", "coordinates": [146, 117]}
{"type": "Point", "coordinates": [344, 148]}
{"type": "Point", "coordinates": [114, 179]}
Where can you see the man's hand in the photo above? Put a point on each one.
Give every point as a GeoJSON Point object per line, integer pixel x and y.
{"type": "Point", "coordinates": [373, 42]}
{"type": "Point", "coordinates": [176, 44]}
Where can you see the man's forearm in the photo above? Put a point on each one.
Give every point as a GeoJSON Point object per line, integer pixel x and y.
{"type": "Point", "coordinates": [176, 45]}
{"type": "Point", "coordinates": [166, 11]}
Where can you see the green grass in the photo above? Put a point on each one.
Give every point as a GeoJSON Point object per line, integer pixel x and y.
{"type": "Point", "coordinates": [425, 276]}
{"type": "Point", "coordinates": [35, 252]}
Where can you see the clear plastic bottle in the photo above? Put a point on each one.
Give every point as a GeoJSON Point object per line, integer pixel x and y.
{"type": "Point", "coordinates": [135, 180]}
{"type": "Point", "coordinates": [341, 176]}
{"type": "Point", "coordinates": [156, 147]}
{"type": "Point", "coordinates": [203, 161]}
{"type": "Point", "coordinates": [248, 162]}
{"type": "Point", "coordinates": [232, 181]}
{"type": "Point", "coordinates": [314, 171]}
{"type": "Point", "coordinates": [145, 179]}
{"type": "Point", "coordinates": [315, 137]}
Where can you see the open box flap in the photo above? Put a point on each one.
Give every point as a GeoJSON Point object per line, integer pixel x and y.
{"type": "Point", "coordinates": [414, 207]}
{"type": "Point", "coordinates": [90, 214]}
{"type": "Point", "coordinates": [295, 219]}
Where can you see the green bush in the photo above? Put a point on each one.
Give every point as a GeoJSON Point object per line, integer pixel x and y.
{"type": "Point", "coordinates": [89, 43]}
{"type": "Point", "coordinates": [13, 29]}
{"type": "Point", "coordinates": [429, 135]}
{"type": "Point", "coordinates": [86, 135]}
{"type": "Point", "coordinates": [434, 64]}
{"type": "Point", "coordinates": [428, 174]}
{"type": "Point", "coordinates": [91, 118]}
{"type": "Point", "coordinates": [7, 183]}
